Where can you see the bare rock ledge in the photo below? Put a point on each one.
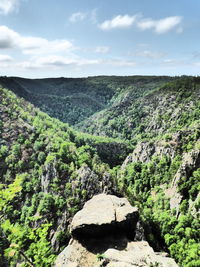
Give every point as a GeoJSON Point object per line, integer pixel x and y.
{"type": "Point", "coordinates": [103, 236]}
{"type": "Point", "coordinates": [104, 214]}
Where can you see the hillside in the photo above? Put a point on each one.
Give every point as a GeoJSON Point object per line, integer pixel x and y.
{"type": "Point", "coordinates": [72, 100]}
{"type": "Point", "coordinates": [56, 170]}
{"type": "Point", "coordinates": [148, 150]}
{"type": "Point", "coordinates": [164, 108]}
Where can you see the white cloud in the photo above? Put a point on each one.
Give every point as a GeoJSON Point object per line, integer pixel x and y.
{"type": "Point", "coordinates": [7, 37]}
{"type": "Point", "coordinates": [149, 54]}
{"type": "Point", "coordinates": [36, 46]}
{"type": "Point", "coordinates": [160, 26]}
{"type": "Point", "coordinates": [78, 16]}
{"type": "Point", "coordinates": [118, 22]}
{"type": "Point", "coordinates": [31, 45]}
{"type": "Point", "coordinates": [57, 63]}
{"type": "Point", "coordinates": [102, 49]}
{"type": "Point", "coordinates": [53, 60]}
{"type": "Point", "coordinates": [174, 62]}
{"type": "Point", "coordinates": [8, 6]}
{"type": "Point", "coordinates": [5, 58]}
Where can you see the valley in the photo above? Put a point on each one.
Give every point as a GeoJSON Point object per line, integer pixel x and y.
{"type": "Point", "coordinates": [65, 140]}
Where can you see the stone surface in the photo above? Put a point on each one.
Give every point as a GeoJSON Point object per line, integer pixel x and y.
{"type": "Point", "coordinates": [138, 254]}
{"type": "Point", "coordinates": [190, 161]}
{"type": "Point", "coordinates": [101, 237]}
{"type": "Point", "coordinates": [102, 214]}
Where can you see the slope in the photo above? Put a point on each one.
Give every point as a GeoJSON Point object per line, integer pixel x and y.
{"type": "Point", "coordinates": [163, 109]}
{"type": "Point", "coordinates": [74, 99]}
{"type": "Point", "coordinates": [47, 172]}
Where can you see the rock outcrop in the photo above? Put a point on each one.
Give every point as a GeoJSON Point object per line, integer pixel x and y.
{"type": "Point", "coordinates": [190, 163]}
{"type": "Point", "coordinates": [104, 214]}
{"type": "Point", "coordinates": [103, 234]}
{"type": "Point", "coordinates": [88, 180]}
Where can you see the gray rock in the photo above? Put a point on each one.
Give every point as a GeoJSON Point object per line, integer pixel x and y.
{"type": "Point", "coordinates": [104, 214]}
{"type": "Point", "coordinates": [91, 182]}
{"type": "Point", "coordinates": [134, 254]}
{"type": "Point", "coordinates": [100, 237]}
{"type": "Point", "coordinates": [49, 173]}
{"type": "Point", "coordinates": [190, 161]}
{"type": "Point", "coordinates": [137, 254]}
{"type": "Point", "coordinates": [144, 151]}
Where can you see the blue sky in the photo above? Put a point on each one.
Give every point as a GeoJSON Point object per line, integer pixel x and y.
{"type": "Point", "coordinates": [53, 38]}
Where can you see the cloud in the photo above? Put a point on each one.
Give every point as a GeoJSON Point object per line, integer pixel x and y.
{"type": "Point", "coordinates": [160, 26]}
{"type": "Point", "coordinates": [53, 62]}
{"type": "Point", "coordinates": [118, 22]}
{"type": "Point", "coordinates": [5, 58]}
{"type": "Point", "coordinates": [36, 46]}
{"type": "Point", "coordinates": [39, 53]}
{"type": "Point", "coordinates": [31, 45]}
{"type": "Point", "coordinates": [102, 49]}
{"type": "Point", "coordinates": [172, 62]}
{"type": "Point", "coordinates": [8, 6]}
{"type": "Point", "coordinates": [149, 54]}
{"type": "Point", "coordinates": [59, 61]}
{"type": "Point", "coordinates": [7, 37]}
{"type": "Point", "coordinates": [78, 16]}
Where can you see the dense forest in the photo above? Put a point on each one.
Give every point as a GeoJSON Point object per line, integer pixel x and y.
{"type": "Point", "coordinates": [64, 140]}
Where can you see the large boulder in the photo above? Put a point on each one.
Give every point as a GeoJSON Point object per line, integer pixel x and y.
{"type": "Point", "coordinates": [102, 235]}
{"type": "Point", "coordinates": [104, 214]}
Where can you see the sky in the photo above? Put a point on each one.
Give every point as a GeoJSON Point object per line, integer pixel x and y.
{"type": "Point", "coordinates": [80, 38]}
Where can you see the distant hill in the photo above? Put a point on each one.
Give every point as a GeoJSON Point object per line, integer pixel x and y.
{"type": "Point", "coordinates": [74, 99]}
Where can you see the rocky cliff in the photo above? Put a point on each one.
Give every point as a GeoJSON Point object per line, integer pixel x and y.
{"type": "Point", "coordinates": [104, 233]}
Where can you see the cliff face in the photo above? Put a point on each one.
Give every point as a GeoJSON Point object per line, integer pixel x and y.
{"type": "Point", "coordinates": [189, 162]}
{"type": "Point", "coordinates": [108, 240]}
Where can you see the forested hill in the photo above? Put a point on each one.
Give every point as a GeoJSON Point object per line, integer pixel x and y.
{"type": "Point", "coordinates": [148, 150]}
{"type": "Point", "coordinates": [147, 112]}
{"type": "Point", "coordinates": [47, 172]}
{"type": "Point", "coordinates": [74, 99]}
